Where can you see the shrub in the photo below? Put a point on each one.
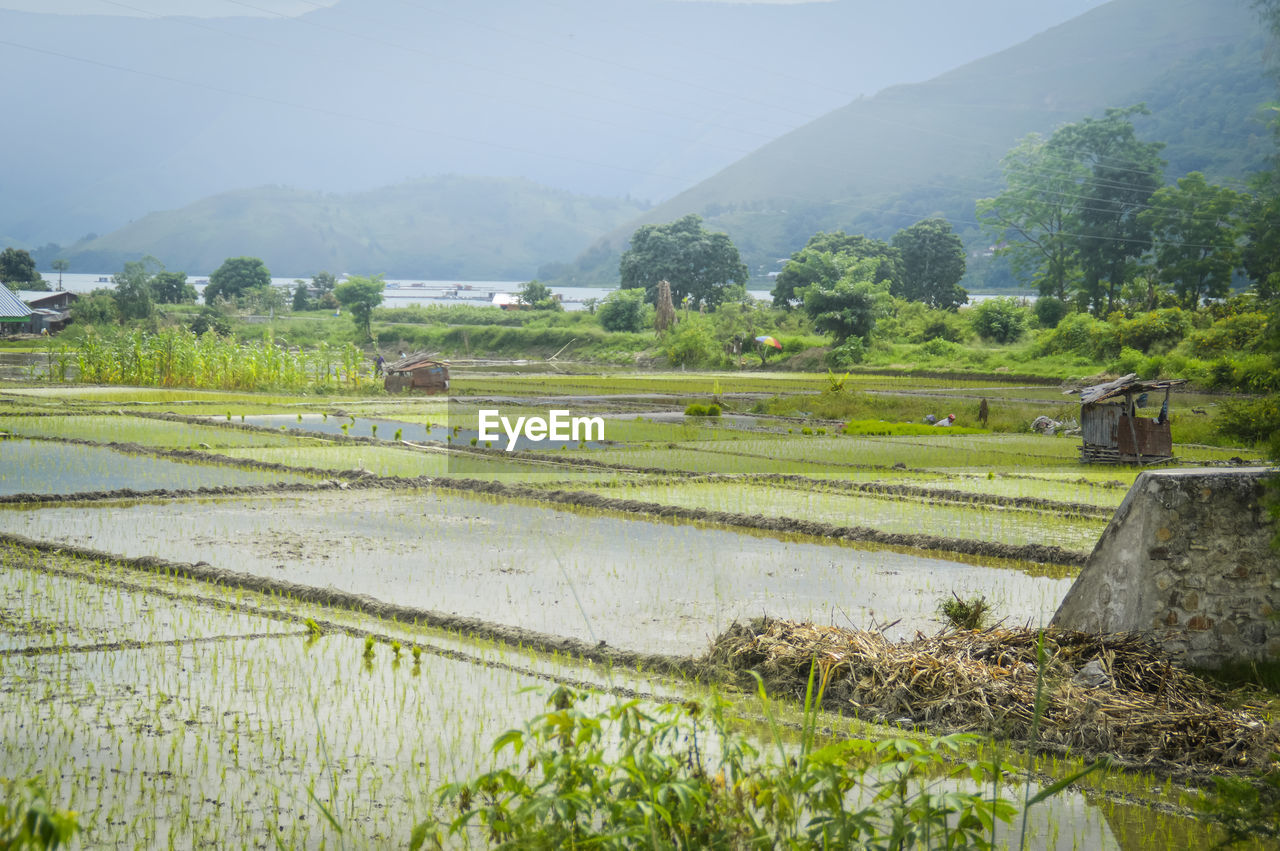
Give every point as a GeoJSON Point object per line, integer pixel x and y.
{"type": "Point", "coordinates": [692, 343]}
{"type": "Point", "coordinates": [938, 349]}
{"type": "Point", "coordinates": [1000, 320]}
{"type": "Point", "coordinates": [1049, 311]}
{"type": "Point", "coordinates": [1161, 329]}
{"type": "Point", "coordinates": [1250, 420]}
{"type": "Point", "coordinates": [631, 777]}
{"type": "Point", "coordinates": [848, 353]}
{"type": "Point", "coordinates": [622, 310]}
{"type": "Point", "coordinates": [965, 614]}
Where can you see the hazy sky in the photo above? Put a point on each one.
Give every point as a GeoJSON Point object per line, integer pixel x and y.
{"type": "Point", "coordinates": [151, 8]}
{"type": "Point", "coordinates": [144, 107]}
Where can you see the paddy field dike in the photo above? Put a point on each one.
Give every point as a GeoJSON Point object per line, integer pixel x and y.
{"type": "Point", "coordinates": [235, 619]}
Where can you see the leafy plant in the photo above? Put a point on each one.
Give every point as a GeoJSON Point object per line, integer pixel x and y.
{"type": "Point", "coordinates": [632, 776]}
{"type": "Point", "coordinates": [28, 820]}
{"type": "Point", "coordinates": [965, 614]}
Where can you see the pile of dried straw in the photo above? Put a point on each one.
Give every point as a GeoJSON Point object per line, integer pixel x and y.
{"type": "Point", "coordinates": [1103, 694]}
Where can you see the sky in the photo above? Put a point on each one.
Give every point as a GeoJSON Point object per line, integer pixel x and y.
{"type": "Point", "coordinates": [152, 8]}
{"type": "Point", "coordinates": [162, 103]}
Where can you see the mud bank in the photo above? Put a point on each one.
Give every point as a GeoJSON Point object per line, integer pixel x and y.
{"type": "Point", "coordinates": [784, 525]}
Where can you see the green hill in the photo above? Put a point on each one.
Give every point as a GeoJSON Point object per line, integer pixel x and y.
{"type": "Point", "coordinates": [451, 227]}
{"type": "Point", "coordinates": [883, 163]}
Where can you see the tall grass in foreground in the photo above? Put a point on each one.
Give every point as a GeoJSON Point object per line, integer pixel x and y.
{"type": "Point", "coordinates": [680, 777]}
{"type": "Point", "coordinates": [176, 357]}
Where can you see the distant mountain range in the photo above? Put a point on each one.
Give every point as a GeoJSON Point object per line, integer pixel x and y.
{"type": "Point", "coordinates": [872, 166]}
{"type": "Point", "coordinates": [885, 162]}
{"type": "Point", "coordinates": [467, 228]}
{"type": "Point", "coordinates": [109, 117]}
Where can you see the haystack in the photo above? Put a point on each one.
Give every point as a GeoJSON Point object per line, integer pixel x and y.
{"type": "Point", "coordinates": [1115, 694]}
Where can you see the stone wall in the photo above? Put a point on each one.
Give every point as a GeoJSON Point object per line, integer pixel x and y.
{"type": "Point", "coordinates": [1186, 559]}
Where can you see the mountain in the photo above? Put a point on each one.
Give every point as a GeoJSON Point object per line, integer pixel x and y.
{"type": "Point", "coordinates": [108, 118]}
{"type": "Point", "coordinates": [882, 163]}
{"type": "Point", "coordinates": [439, 228]}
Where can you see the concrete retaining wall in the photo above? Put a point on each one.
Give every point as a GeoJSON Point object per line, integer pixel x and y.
{"type": "Point", "coordinates": [1186, 559]}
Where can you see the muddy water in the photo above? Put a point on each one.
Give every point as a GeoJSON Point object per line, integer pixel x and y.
{"type": "Point", "coordinates": [31, 466]}
{"type": "Point", "coordinates": [636, 584]}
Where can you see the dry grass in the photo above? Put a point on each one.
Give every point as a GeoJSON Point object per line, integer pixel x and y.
{"type": "Point", "coordinates": [1146, 711]}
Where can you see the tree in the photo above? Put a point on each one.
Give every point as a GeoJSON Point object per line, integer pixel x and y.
{"type": "Point", "coordinates": [235, 277]}
{"type": "Point", "coordinates": [1260, 255]}
{"type": "Point", "coordinates": [172, 288]}
{"type": "Point", "coordinates": [18, 270]}
{"type": "Point", "coordinates": [537, 295]}
{"type": "Point", "coordinates": [60, 265]}
{"type": "Point", "coordinates": [324, 282]}
{"type": "Point", "coordinates": [1001, 320]}
{"type": "Point", "coordinates": [849, 307]}
{"type": "Point", "coordinates": [1195, 227]}
{"type": "Point", "coordinates": [95, 308]}
{"type": "Point", "coordinates": [622, 310]}
{"type": "Point", "coordinates": [134, 299]}
{"type": "Point", "coordinates": [301, 296]}
{"type": "Point", "coordinates": [819, 262]}
{"type": "Point", "coordinates": [1033, 219]}
{"type": "Point", "coordinates": [932, 264]}
{"type": "Point", "coordinates": [1123, 173]}
{"type": "Point", "coordinates": [360, 296]}
{"type": "Point", "coordinates": [1070, 209]}
{"type": "Point", "coordinates": [697, 263]}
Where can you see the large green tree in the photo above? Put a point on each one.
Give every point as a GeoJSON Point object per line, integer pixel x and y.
{"type": "Point", "coordinates": [360, 296]}
{"type": "Point", "coordinates": [850, 306]}
{"type": "Point", "coordinates": [698, 263]}
{"type": "Point", "coordinates": [1034, 218]}
{"type": "Point", "coordinates": [932, 264]}
{"type": "Point", "coordinates": [134, 297]}
{"type": "Point", "coordinates": [235, 277]}
{"type": "Point", "coordinates": [1069, 216]}
{"type": "Point", "coordinates": [820, 262]}
{"type": "Point", "coordinates": [172, 288]}
{"type": "Point", "coordinates": [1195, 228]}
{"type": "Point", "coordinates": [18, 270]}
{"type": "Point", "coordinates": [1123, 173]}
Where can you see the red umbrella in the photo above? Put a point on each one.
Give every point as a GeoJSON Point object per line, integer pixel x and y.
{"type": "Point", "coordinates": [770, 341]}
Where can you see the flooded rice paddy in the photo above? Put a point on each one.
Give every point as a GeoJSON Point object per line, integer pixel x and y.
{"type": "Point", "coordinates": [44, 467]}
{"type": "Point", "coordinates": [180, 714]}
{"type": "Point", "coordinates": [641, 585]}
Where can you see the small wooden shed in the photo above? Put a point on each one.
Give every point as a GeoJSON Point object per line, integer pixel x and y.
{"type": "Point", "coordinates": [1113, 433]}
{"type": "Point", "coordinates": [417, 374]}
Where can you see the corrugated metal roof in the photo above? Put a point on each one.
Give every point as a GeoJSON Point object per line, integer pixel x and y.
{"type": "Point", "coordinates": [1126, 384]}
{"type": "Point", "coordinates": [414, 362]}
{"type": "Point", "coordinates": [11, 307]}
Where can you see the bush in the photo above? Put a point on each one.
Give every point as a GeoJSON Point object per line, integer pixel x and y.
{"type": "Point", "coordinates": [965, 614]}
{"type": "Point", "coordinates": [1239, 332]}
{"type": "Point", "coordinates": [692, 343]}
{"type": "Point", "coordinates": [696, 410]}
{"type": "Point", "coordinates": [679, 776]}
{"type": "Point", "coordinates": [1156, 329]}
{"type": "Point", "coordinates": [1250, 420]}
{"type": "Point", "coordinates": [939, 349]}
{"type": "Point", "coordinates": [1000, 320]}
{"type": "Point", "coordinates": [1049, 311]}
{"type": "Point", "coordinates": [848, 353]}
{"type": "Point", "coordinates": [622, 310]}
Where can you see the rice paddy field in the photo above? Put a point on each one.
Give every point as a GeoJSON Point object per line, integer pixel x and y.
{"type": "Point", "coordinates": [231, 619]}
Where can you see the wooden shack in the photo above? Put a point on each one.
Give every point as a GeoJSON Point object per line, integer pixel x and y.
{"type": "Point", "coordinates": [1112, 430]}
{"type": "Point", "coordinates": [417, 374]}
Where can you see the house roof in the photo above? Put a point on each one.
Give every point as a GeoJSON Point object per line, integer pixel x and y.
{"type": "Point", "coordinates": [1126, 384]}
{"type": "Point", "coordinates": [34, 297]}
{"type": "Point", "coordinates": [11, 307]}
{"type": "Point", "coordinates": [414, 361]}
